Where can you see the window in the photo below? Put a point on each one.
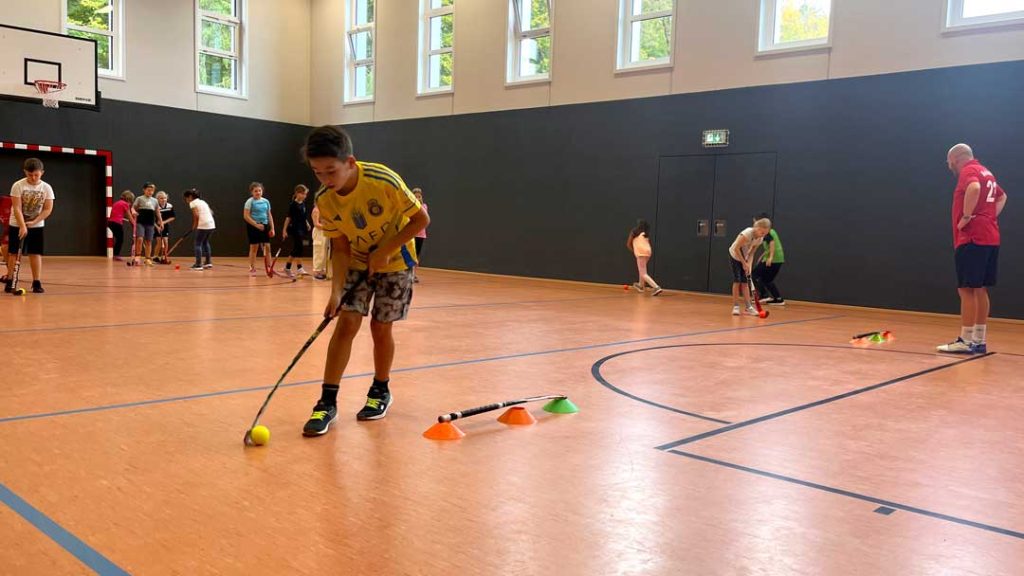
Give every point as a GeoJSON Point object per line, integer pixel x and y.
{"type": "Point", "coordinates": [219, 41]}
{"type": "Point", "coordinates": [976, 13]}
{"type": "Point", "coordinates": [645, 33]}
{"type": "Point", "coordinates": [102, 21]}
{"type": "Point", "coordinates": [437, 50]}
{"type": "Point", "coordinates": [360, 29]}
{"type": "Point", "coordinates": [529, 52]}
{"type": "Point", "coordinates": [795, 24]}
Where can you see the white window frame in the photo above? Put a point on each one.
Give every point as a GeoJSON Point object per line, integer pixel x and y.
{"type": "Point", "coordinates": [427, 13]}
{"type": "Point", "coordinates": [766, 32]}
{"type": "Point", "coordinates": [116, 35]}
{"type": "Point", "coordinates": [239, 55]}
{"type": "Point", "coordinates": [351, 62]}
{"type": "Point", "coordinates": [516, 36]}
{"type": "Point", "coordinates": [954, 21]}
{"type": "Point", "coordinates": [625, 38]}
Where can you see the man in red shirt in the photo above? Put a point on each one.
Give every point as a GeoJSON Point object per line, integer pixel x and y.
{"type": "Point", "coordinates": [977, 202]}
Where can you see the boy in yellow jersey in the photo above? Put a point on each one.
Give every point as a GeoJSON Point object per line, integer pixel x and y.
{"type": "Point", "coordinates": [370, 218]}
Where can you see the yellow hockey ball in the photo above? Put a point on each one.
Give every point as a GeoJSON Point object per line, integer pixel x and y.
{"type": "Point", "coordinates": [260, 435]}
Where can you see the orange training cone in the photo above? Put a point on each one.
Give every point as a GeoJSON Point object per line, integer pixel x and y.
{"type": "Point", "coordinates": [517, 416]}
{"type": "Point", "coordinates": [443, 431]}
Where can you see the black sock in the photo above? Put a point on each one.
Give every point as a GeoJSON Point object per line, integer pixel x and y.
{"type": "Point", "coordinates": [288, 266]}
{"type": "Point", "coordinates": [379, 388]}
{"type": "Point", "coordinates": [329, 394]}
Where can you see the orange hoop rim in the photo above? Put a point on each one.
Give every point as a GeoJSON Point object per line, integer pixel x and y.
{"type": "Point", "coordinates": [49, 86]}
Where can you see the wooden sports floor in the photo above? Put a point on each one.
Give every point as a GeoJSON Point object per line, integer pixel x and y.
{"type": "Point", "coordinates": [704, 444]}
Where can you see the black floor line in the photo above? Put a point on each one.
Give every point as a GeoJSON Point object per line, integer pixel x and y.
{"type": "Point", "coordinates": [772, 416]}
{"type": "Point", "coordinates": [856, 495]}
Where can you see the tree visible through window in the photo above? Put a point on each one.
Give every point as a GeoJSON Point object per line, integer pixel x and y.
{"type": "Point", "coordinates": [645, 35]}
{"type": "Point", "coordinates": [437, 60]}
{"type": "Point", "coordinates": [361, 50]}
{"type": "Point", "coordinates": [97, 20]}
{"type": "Point", "coordinates": [220, 27]}
{"type": "Point", "coordinates": [530, 39]}
{"type": "Point", "coordinates": [801, 20]}
{"type": "Point", "coordinates": [787, 24]}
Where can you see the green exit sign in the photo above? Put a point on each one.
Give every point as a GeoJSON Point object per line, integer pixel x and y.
{"type": "Point", "coordinates": [716, 138]}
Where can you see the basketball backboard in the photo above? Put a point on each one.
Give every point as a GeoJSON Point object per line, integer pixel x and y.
{"type": "Point", "coordinates": [29, 55]}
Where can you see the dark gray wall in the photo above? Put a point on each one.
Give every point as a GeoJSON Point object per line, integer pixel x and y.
{"type": "Point", "coordinates": [862, 193]}
{"type": "Point", "coordinates": [176, 149]}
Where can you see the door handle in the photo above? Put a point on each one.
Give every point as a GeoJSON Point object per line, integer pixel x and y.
{"type": "Point", "coordinates": [702, 229]}
{"type": "Point", "coordinates": [720, 228]}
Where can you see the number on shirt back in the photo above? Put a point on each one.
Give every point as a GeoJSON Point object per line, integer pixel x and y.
{"type": "Point", "coordinates": [992, 187]}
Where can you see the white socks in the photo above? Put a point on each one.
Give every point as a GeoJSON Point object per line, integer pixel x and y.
{"type": "Point", "coordinates": [967, 333]}
{"type": "Point", "coordinates": [979, 333]}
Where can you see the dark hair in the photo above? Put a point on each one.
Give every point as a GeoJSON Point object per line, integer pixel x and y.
{"type": "Point", "coordinates": [255, 185]}
{"type": "Point", "coordinates": [327, 142]}
{"type": "Point", "coordinates": [32, 165]}
{"type": "Point", "coordinates": [191, 193]}
{"type": "Point", "coordinates": [641, 228]}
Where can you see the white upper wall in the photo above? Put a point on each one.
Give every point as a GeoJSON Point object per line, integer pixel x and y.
{"type": "Point", "coordinates": [715, 48]}
{"type": "Point", "coordinates": [296, 51]}
{"type": "Point", "coordinates": [160, 55]}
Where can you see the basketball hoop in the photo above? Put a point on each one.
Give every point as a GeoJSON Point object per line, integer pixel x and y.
{"type": "Point", "coordinates": [48, 91]}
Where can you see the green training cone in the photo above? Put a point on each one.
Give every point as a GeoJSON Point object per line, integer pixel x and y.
{"type": "Point", "coordinates": [561, 406]}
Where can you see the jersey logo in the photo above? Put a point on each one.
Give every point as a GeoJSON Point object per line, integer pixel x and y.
{"type": "Point", "coordinates": [358, 219]}
{"type": "Point", "coordinates": [374, 207]}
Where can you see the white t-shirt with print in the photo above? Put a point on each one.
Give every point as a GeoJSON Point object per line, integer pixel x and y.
{"type": "Point", "coordinates": [33, 196]}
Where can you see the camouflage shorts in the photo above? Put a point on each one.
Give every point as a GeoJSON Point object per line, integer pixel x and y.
{"type": "Point", "coordinates": [391, 293]}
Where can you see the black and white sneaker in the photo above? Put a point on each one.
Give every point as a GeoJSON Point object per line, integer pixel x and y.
{"type": "Point", "coordinates": [376, 407]}
{"type": "Point", "coordinates": [37, 287]}
{"type": "Point", "coordinates": [320, 421]}
{"type": "Point", "coordinates": [776, 302]}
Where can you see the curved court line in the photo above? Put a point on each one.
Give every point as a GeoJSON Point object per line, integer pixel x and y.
{"type": "Point", "coordinates": [595, 369]}
{"type": "Point", "coordinates": [671, 448]}
{"type": "Point", "coordinates": [407, 369]}
{"type": "Point", "coordinates": [66, 540]}
{"type": "Point", "coordinates": [816, 403]}
{"type": "Point", "coordinates": [855, 495]}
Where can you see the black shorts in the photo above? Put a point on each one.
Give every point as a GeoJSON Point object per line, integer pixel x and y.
{"type": "Point", "coordinates": [976, 266]}
{"type": "Point", "coordinates": [165, 233]}
{"type": "Point", "coordinates": [739, 273]}
{"type": "Point", "coordinates": [33, 242]}
{"type": "Point", "coordinates": [257, 236]}
{"type": "Point", "coordinates": [298, 246]}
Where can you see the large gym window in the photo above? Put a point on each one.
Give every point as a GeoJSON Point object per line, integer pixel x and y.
{"type": "Point", "coordinates": [645, 33]}
{"type": "Point", "coordinates": [795, 25]}
{"type": "Point", "coordinates": [529, 48]}
{"type": "Point", "coordinates": [220, 38]}
{"type": "Point", "coordinates": [360, 51]}
{"type": "Point", "coordinates": [102, 21]}
{"type": "Point", "coordinates": [437, 46]}
{"type": "Point", "coordinates": [983, 13]}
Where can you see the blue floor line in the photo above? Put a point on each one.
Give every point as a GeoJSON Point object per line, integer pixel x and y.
{"type": "Point", "coordinates": [66, 540]}
{"type": "Point", "coordinates": [408, 369]}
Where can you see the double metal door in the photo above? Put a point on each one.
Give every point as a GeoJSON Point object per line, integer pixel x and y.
{"type": "Point", "coordinates": [703, 203]}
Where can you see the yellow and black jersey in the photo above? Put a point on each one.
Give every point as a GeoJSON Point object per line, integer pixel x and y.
{"type": "Point", "coordinates": [375, 210]}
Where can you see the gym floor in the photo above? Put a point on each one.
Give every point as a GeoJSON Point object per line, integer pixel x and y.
{"type": "Point", "coordinates": [705, 443]}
